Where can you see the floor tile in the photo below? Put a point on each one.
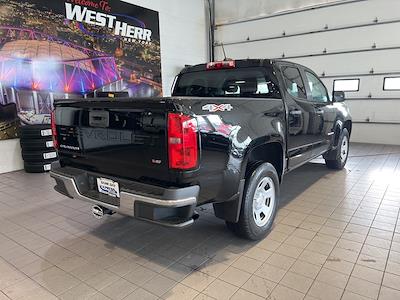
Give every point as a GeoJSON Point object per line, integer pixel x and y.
{"type": "Point", "coordinates": [297, 282]}
{"type": "Point", "coordinates": [247, 264]}
{"type": "Point", "coordinates": [159, 285]}
{"type": "Point", "coordinates": [177, 271]}
{"type": "Point", "coordinates": [305, 269]}
{"type": "Point", "coordinates": [282, 293]}
{"type": "Point", "coordinates": [368, 274]}
{"type": "Point", "coordinates": [141, 294]}
{"type": "Point", "coordinates": [325, 291]}
{"type": "Point", "coordinates": [333, 278]}
{"type": "Point", "coordinates": [102, 279]}
{"type": "Point", "coordinates": [28, 289]}
{"type": "Point", "coordinates": [56, 280]}
{"type": "Point", "coordinates": [219, 289]}
{"type": "Point", "coordinates": [391, 281]}
{"type": "Point", "coordinates": [180, 292]}
{"type": "Point", "coordinates": [235, 276]}
{"type": "Point", "coordinates": [140, 275]}
{"type": "Point", "coordinates": [259, 286]}
{"type": "Point", "coordinates": [281, 261]}
{"type": "Point", "coordinates": [243, 294]}
{"type": "Point", "coordinates": [389, 294]}
{"type": "Point", "coordinates": [363, 287]}
{"type": "Point", "coordinates": [338, 237]}
{"type": "Point", "coordinates": [118, 289]}
{"type": "Point", "coordinates": [198, 280]}
{"type": "Point", "coordinates": [270, 272]}
{"type": "Point", "coordinates": [81, 291]}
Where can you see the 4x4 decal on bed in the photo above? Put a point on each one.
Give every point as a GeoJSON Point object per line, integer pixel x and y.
{"type": "Point", "coordinates": [217, 107]}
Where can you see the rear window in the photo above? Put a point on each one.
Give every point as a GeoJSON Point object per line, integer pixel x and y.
{"type": "Point", "coordinates": [245, 82]}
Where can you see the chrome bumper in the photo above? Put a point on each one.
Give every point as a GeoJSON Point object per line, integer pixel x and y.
{"type": "Point", "coordinates": [128, 199]}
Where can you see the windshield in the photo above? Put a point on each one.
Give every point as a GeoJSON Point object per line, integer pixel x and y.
{"type": "Point", "coordinates": [244, 82]}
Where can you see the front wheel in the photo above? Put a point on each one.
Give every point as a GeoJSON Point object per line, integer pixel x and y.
{"type": "Point", "coordinates": [341, 153]}
{"type": "Point", "coordinates": [259, 204]}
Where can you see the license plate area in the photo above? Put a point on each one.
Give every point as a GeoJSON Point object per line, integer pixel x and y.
{"type": "Point", "coordinates": [108, 187]}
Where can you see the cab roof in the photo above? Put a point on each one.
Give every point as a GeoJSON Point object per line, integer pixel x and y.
{"type": "Point", "coordinates": [239, 63]}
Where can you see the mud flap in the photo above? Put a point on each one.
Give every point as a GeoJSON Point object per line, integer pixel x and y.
{"type": "Point", "coordinates": [230, 209]}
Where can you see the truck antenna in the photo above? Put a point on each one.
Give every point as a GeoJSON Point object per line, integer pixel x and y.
{"type": "Point", "coordinates": [223, 50]}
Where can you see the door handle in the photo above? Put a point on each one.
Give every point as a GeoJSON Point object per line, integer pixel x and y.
{"type": "Point", "coordinates": [320, 111]}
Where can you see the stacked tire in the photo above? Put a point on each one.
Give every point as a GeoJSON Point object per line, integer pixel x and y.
{"type": "Point", "coordinates": [37, 146]}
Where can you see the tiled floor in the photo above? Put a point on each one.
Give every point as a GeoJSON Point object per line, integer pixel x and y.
{"type": "Point", "coordinates": [337, 236]}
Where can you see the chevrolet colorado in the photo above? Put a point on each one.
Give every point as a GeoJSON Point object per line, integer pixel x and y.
{"type": "Point", "coordinates": [228, 134]}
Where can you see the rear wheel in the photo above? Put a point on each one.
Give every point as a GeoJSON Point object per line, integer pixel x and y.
{"type": "Point", "coordinates": [259, 205]}
{"type": "Point", "coordinates": [341, 153]}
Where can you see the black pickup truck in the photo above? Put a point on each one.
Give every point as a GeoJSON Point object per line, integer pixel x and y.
{"type": "Point", "coordinates": [226, 136]}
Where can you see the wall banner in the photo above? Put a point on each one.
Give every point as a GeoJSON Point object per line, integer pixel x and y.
{"type": "Point", "coordinates": [51, 49]}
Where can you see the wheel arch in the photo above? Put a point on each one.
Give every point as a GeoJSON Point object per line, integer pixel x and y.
{"type": "Point", "coordinates": [348, 124]}
{"type": "Point", "coordinates": [273, 153]}
{"type": "Point", "coordinates": [340, 125]}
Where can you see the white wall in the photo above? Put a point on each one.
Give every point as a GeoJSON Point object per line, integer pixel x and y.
{"type": "Point", "coordinates": [10, 156]}
{"type": "Point", "coordinates": [183, 34]}
{"type": "Point", "coordinates": [336, 66]}
{"type": "Point", "coordinates": [239, 9]}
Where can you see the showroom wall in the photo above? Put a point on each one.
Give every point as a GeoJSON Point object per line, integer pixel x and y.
{"type": "Point", "coordinates": [337, 39]}
{"type": "Point", "coordinates": [183, 34]}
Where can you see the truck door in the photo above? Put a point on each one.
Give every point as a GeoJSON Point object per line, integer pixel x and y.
{"type": "Point", "coordinates": [300, 114]}
{"type": "Point", "coordinates": [318, 95]}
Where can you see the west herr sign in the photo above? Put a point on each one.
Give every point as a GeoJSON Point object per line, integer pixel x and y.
{"type": "Point", "coordinates": [72, 48]}
{"type": "Point", "coordinates": [85, 15]}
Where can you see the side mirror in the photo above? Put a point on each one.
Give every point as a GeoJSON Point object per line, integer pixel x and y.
{"type": "Point", "coordinates": [338, 96]}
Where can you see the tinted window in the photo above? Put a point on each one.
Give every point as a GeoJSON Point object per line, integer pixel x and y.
{"type": "Point", "coordinates": [246, 82]}
{"type": "Point", "coordinates": [318, 90]}
{"type": "Point", "coordinates": [293, 82]}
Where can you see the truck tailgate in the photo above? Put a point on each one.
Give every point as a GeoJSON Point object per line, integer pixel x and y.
{"type": "Point", "coordinates": [122, 138]}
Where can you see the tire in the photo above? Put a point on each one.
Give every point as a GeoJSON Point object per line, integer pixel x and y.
{"type": "Point", "coordinates": [39, 156]}
{"type": "Point", "coordinates": [44, 144]}
{"type": "Point", "coordinates": [252, 225]}
{"type": "Point", "coordinates": [37, 167]}
{"type": "Point", "coordinates": [35, 131]}
{"type": "Point", "coordinates": [340, 154]}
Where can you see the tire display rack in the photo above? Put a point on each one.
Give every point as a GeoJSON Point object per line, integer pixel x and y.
{"type": "Point", "coordinates": [37, 146]}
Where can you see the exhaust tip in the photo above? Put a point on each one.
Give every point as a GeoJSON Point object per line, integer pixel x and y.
{"type": "Point", "coordinates": [195, 216]}
{"type": "Point", "coordinates": [97, 212]}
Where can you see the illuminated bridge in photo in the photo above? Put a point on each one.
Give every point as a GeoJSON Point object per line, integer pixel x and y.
{"type": "Point", "coordinates": [37, 61]}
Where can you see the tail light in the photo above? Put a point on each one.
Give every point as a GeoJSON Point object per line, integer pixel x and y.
{"type": "Point", "coordinates": [182, 142]}
{"type": "Point", "coordinates": [216, 65]}
{"type": "Point", "coordinates": [54, 129]}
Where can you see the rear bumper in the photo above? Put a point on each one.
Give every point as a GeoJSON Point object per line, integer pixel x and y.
{"type": "Point", "coordinates": [171, 207]}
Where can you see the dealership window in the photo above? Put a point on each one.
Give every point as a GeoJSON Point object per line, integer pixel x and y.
{"type": "Point", "coordinates": [391, 84]}
{"type": "Point", "coordinates": [346, 85]}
